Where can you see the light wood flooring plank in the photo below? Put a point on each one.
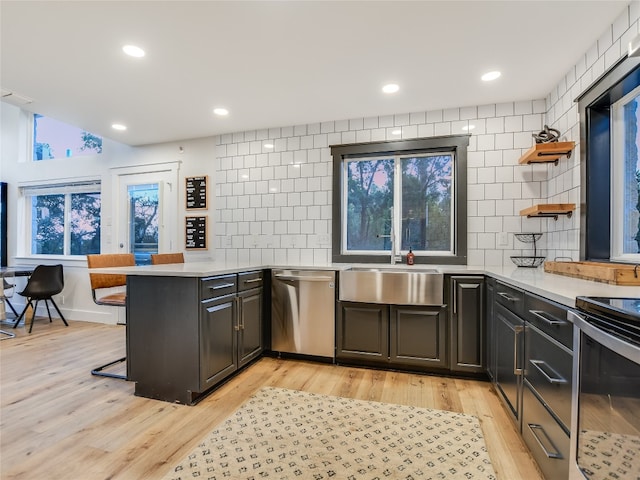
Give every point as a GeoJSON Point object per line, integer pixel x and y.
{"type": "Point", "coordinates": [59, 422]}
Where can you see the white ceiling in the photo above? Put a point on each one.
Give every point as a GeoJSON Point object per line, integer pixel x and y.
{"type": "Point", "coordinates": [282, 63]}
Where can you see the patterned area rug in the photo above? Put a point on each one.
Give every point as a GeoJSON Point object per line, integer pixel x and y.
{"type": "Point", "coordinates": [287, 434]}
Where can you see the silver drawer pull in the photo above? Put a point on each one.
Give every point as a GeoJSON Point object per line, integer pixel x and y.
{"type": "Point", "coordinates": [550, 321]}
{"type": "Point", "coordinates": [253, 280]}
{"type": "Point", "coordinates": [222, 285]}
{"type": "Point", "coordinates": [217, 308]}
{"type": "Point", "coordinates": [516, 333]}
{"type": "Point", "coordinates": [506, 296]}
{"type": "Point", "coordinates": [542, 366]}
{"type": "Point", "coordinates": [534, 431]}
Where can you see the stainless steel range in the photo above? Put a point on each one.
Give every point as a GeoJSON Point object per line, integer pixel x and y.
{"type": "Point", "coordinates": [605, 426]}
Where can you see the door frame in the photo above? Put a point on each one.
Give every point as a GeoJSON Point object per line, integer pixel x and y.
{"type": "Point", "coordinates": [168, 235]}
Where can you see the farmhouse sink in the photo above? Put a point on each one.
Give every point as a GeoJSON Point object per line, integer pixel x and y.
{"type": "Point", "coordinates": [394, 269]}
{"type": "Point", "coordinates": [392, 286]}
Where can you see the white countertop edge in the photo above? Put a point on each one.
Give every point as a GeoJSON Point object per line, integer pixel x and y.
{"type": "Point", "coordinates": [558, 288]}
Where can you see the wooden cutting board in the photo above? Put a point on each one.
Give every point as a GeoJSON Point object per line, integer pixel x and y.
{"type": "Point", "coordinates": [612, 273]}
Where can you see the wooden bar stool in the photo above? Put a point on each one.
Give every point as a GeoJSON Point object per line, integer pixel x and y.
{"type": "Point", "coordinates": [107, 289]}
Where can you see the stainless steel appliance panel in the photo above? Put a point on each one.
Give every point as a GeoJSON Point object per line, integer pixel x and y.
{"type": "Point", "coordinates": [303, 312]}
{"type": "Point", "coordinates": [605, 425]}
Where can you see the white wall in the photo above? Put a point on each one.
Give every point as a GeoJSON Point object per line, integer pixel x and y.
{"type": "Point", "coordinates": [293, 225]}
{"type": "Point", "coordinates": [563, 185]}
{"type": "Point", "coordinates": [75, 301]}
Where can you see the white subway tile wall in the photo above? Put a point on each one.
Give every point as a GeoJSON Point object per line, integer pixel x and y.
{"type": "Point", "coordinates": [273, 205]}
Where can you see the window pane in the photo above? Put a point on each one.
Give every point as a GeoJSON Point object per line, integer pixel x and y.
{"type": "Point", "coordinates": [143, 204]}
{"type": "Point", "coordinates": [426, 203]}
{"type": "Point", "coordinates": [369, 200]}
{"type": "Point", "coordinates": [85, 223]}
{"type": "Point", "coordinates": [47, 224]}
{"type": "Point", "coordinates": [55, 139]}
{"type": "Point", "coordinates": [631, 223]}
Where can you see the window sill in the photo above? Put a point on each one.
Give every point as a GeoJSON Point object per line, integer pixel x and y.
{"type": "Point", "coordinates": [66, 260]}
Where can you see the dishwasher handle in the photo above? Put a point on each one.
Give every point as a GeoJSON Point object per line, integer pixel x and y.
{"type": "Point", "coordinates": [302, 278]}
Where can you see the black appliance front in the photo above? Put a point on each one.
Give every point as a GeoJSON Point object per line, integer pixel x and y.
{"type": "Point", "coordinates": [606, 400]}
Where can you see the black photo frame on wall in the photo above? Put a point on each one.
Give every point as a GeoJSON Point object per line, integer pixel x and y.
{"type": "Point", "coordinates": [195, 233]}
{"type": "Point", "coordinates": [196, 192]}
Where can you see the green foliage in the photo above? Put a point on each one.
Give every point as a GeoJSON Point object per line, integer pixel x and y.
{"type": "Point", "coordinates": [48, 213]}
{"type": "Point", "coordinates": [91, 142]}
{"type": "Point", "coordinates": [425, 197]}
{"type": "Point", "coordinates": [42, 151]}
{"type": "Point", "coordinates": [49, 224]}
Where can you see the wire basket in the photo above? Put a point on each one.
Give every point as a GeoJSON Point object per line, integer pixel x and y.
{"type": "Point", "coordinates": [527, 237]}
{"type": "Point", "coordinates": [530, 262]}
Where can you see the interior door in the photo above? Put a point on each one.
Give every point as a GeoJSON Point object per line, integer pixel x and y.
{"type": "Point", "coordinates": [144, 211]}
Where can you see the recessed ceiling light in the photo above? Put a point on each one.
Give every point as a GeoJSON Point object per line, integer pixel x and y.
{"type": "Point", "coordinates": [268, 145]}
{"type": "Point", "coordinates": [487, 77]}
{"type": "Point", "coordinates": [391, 88]}
{"type": "Point", "coordinates": [466, 128]}
{"type": "Point", "coordinates": [244, 176]}
{"type": "Point", "coordinates": [273, 189]}
{"type": "Point", "coordinates": [133, 51]}
{"type": "Point", "coordinates": [118, 126]}
{"type": "Point", "coordinates": [396, 132]}
{"type": "Point", "coordinates": [221, 111]}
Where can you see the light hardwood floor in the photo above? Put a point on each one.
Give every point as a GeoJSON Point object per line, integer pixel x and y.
{"type": "Point", "coordinates": [59, 422]}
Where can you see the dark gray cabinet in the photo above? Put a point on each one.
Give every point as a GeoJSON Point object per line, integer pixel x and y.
{"type": "Point", "coordinates": [467, 324]}
{"type": "Point", "coordinates": [250, 331]}
{"type": "Point", "coordinates": [362, 332]}
{"type": "Point", "coordinates": [217, 340]}
{"type": "Point", "coordinates": [418, 336]}
{"type": "Point", "coordinates": [385, 335]}
{"type": "Point", "coordinates": [509, 330]}
{"type": "Point", "coordinates": [530, 361]}
{"type": "Point", "coordinates": [185, 335]}
{"type": "Point", "coordinates": [509, 353]}
{"type": "Point", "coordinates": [490, 321]}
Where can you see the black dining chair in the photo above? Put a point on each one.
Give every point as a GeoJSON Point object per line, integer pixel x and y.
{"type": "Point", "coordinates": [45, 282]}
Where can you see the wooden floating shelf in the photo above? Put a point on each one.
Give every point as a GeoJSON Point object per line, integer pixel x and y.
{"type": "Point", "coordinates": [549, 210]}
{"type": "Point", "coordinates": [547, 152]}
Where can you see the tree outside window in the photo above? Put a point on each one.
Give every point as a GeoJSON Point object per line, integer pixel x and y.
{"type": "Point", "coordinates": [65, 224]}
{"type": "Point", "coordinates": [55, 139]}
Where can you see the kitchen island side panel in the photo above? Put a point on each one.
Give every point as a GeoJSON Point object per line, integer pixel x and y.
{"type": "Point", "coordinates": [163, 336]}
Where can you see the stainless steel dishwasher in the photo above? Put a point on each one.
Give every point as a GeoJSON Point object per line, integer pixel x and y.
{"type": "Point", "coordinates": [303, 312]}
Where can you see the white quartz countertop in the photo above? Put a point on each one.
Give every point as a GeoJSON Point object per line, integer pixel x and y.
{"type": "Point", "coordinates": [559, 288]}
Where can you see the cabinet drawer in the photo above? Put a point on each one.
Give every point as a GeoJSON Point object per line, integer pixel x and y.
{"type": "Point", "coordinates": [547, 441]}
{"type": "Point", "coordinates": [549, 317]}
{"type": "Point", "coordinates": [249, 280]}
{"type": "Point", "coordinates": [219, 286]}
{"type": "Point", "coordinates": [510, 297]}
{"type": "Point", "coordinates": [548, 369]}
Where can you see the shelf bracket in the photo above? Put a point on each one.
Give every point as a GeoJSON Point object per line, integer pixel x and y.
{"type": "Point", "coordinates": [550, 215]}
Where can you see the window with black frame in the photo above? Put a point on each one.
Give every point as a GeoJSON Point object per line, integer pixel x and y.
{"type": "Point", "coordinates": [3, 224]}
{"type": "Point", "coordinates": [610, 166]}
{"type": "Point", "coordinates": [393, 197]}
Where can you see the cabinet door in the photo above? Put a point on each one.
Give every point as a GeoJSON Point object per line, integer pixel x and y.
{"type": "Point", "coordinates": [467, 324]}
{"type": "Point", "coordinates": [250, 326]}
{"type": "Point", "coordinates": [363, 332]}
{"type": "Point", "coordinates": [509, 357]}
{"type": "Point", "coordinates": [218, 333]}
{"type": "Point", "coordinates": [418, 336]}
{"type": "Point", "coordinates": [491, 328]}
